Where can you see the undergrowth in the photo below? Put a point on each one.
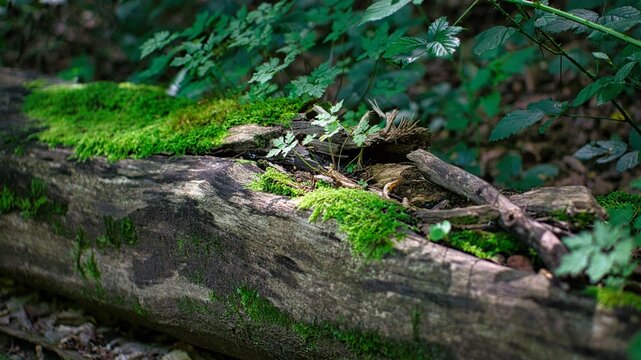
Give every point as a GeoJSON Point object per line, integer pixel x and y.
{"type": "Point", "coordinates": [371, 223]}
{"type": "Point", "coordinates": [487, 245]}
{"type": "Point", "coordinates": [127, 120]}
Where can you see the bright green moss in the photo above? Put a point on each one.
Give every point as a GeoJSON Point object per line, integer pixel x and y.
{"type": "Point", "coordinates": [127, 120]}
{"type": "Point", "coordinates": [580, 220]}
{"type": "Point", "coordinates": [614, 298]}
{"type": "Point", "coordinates": [275, 182]}
{"type": "Point", "coordinates": [620, 199]}
{"type": "Point", "coordinates": [371, 223]}
{"type": "Point", "coordinates": [486, 245]}
{"type": "Point", "coordinates": [33, 204]}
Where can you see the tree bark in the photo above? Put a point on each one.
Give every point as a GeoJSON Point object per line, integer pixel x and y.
{"type": "Point", "coordinates": [202, 238]}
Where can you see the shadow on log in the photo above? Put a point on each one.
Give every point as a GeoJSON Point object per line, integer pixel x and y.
{"type": "Point", "coordinates": [181, 245]}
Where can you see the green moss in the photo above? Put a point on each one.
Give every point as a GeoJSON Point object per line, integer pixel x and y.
{"type": "Point", "coordinates": [465, 220]}
{"type": "Point", "coordinates": [614, 298]}
{"type": "Point", "coordinates": [276, 182]}
{"type": "Point", "coordinates": [620, 199]}
{"type": "Point", "coordinates": [126, 120]}
{"type": "Point", "coordinates": [580, 220]}
{"type": "Point", "coordinates": [486, 245]}
{"type": "Point", "coordinates": [371, 223]}
{"type": "Point", "coordinates": [80, 245]}
{"type": "Point", "coordinates": [362, 345]}
{"type": "Point", "coordinates": [33, 204]}
{"type": "Point", "coordinates": [117, 232]}
{"type": "Point", "coordinates": [91, 268]}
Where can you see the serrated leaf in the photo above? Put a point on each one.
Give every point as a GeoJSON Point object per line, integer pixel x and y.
{"type": "Point", "coordinates": [382, 9]}
{"type": "Point", "coordinates": [158, 41]}
{"type": "Point", "coordinates": [308, 138]}
{"type": "Point", "coordinates": [492, 38]}
{"type": "Point", "coordinates": [515, 122]}
{"type": "Point", "coordinates": [555, 24]}
{"type": "Point", "coordinates": [623, 72]}
{"type": "Point", "coordinates": [404, 45]}
{"type": "Point", "coordinates": [273, 152]}
{"type": "Point", "coordinates": [608, 149]}
{"type": "Point", "coordinates": [441, 38]}
{"type": "Point", "coordinates": [609, 91]}
{"type": "Point", "coordinates": [572, 264]}
{"type": "Point", "coordinates": [628, 161]}
{"type": "Point", "coordinates": [589, 91]}
{"type": "Point", "coordinates": [578, 241]}
{"type": "Point", "coordinates": [549, 107]}
{"type": "Point", "coordinates": [590, 151]}
{"type": "Point", "coordinates": [600, 265]}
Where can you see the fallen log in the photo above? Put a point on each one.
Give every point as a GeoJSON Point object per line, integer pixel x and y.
{"type": "Point", "coordinates": [511, 217]}
{"type": "Point", "coordinates": [183, 246]}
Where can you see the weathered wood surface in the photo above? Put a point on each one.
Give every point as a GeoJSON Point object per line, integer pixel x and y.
{"type": "Point", "coordinates": [569, 200]}
{"type": "Point", "coordinates": [511, 217]}
{"type": "Point", "coordinates": [466, 307]}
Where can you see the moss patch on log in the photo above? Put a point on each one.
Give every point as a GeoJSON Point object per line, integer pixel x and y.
{"type": "Point", "coordinates": [372, 224]}
{"type": "Point", "coordinates": [614, 298]}
{"type": "Point", "coordinates": [362, 344]}
{"type": "Point", "coordinates": [127, 120]}
{"type": "Point", "coordinates": [486, 245]}
{"type": "Point", "coordinates": [275, 182]}
{"type": "Point", "coordinates": [32, 203]}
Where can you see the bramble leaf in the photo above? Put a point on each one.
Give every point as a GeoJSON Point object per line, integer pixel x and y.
{"type": "Point", "coordinates": [492, 38]}
{"type": "Point", "coordinates": [515, 122]}
{"type": "Point", "coordinates": [382, 9]}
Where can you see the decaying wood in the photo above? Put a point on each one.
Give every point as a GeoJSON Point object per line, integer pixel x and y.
{"type": "Point", "coordinates": [202, 235]}
{"type": "Point", "coordinates": [511, 217]}
{"type": "Point", "coordinates": [570, 200]}
{"type": "Point", "coordinates": [378, 147]}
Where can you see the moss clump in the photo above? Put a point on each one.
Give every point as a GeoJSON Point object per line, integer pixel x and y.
{"type": "Point", "coordinates": [371, 223]}
{"type": "Point", "coordinates": [126, 120]}
{"type": "Point", "coordinates": [620, 199]}
{"type": "Point", "coordinates": [580, 220]}
{"type": "Point", "coordinates": [614, 298]}
{"type": "Point", "coordinates": [33, 204]}
{"type": "Point", "coordinates": [275, 182]}
{"type": "Point", "coordinates": [117, 232]}
{"type": "Point", "coordinates": [486, 245]}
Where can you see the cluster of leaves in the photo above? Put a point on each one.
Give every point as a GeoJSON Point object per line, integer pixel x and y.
{"type": "Point", "coordinates": [272, 43]}
{"type": "Point", "coordinates": [605, 254]}
{"type": "Point", "coordinates": [613, 68]}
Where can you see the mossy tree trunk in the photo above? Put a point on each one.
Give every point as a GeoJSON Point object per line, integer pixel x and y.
{"type": "Point", "coordinates": [183, 246]}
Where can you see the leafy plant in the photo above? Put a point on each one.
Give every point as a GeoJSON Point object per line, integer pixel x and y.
{"type": "Point", "coordinates": [603, 253]}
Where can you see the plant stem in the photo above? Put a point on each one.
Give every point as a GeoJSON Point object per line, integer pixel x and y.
{"type": "Point", "coordinates": [464, 14]}
{"type": "Point", "coordinates": [540, 6]}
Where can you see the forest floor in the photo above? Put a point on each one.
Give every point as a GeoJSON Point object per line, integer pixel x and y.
{"type": "Point", "coordinates": [36, 325]}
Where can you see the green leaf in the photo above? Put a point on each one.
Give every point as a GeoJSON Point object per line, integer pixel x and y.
{"type": "Point", "coordinates": [600, 265]}
{"type": "Point", "coordinates": [439, 231]}
{"type": "Point", "coordinates": [610, 91]}
{"type": "Point", "coordinates": [572, 264]}
{"type": "Point", "coordinates": [382, 9]}
{"type": "Point", "coordinates": [404, 45]}
{"type": "Point", "coordinates": [441, 38]}
{"type": "Point", "coordinates": [609, 150]}
{"type": "Point", "coordinates": [623, 72]}
{"type": "Point", "coordinates": [549, 107]}
{"type": "Point", "coordinates": [601, 56]}
{"type": "Point", "coordinates": [158, 41]}
{"type": "Point", "coordinates": [492, 38]}
{"type": "Point", "coordinates": [628, 161]}
{"type": "Point", "coordinates": [554, 24]}
{"type": "Point", "coordinates": [491, 103]}
{"type": "Point", "coordinates": [515, 122]}
{"type": "Point", "coordinates": [589, 91]}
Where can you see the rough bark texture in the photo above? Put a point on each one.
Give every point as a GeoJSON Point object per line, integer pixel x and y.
{"type": "Point", "coordinates": [202, 236]}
